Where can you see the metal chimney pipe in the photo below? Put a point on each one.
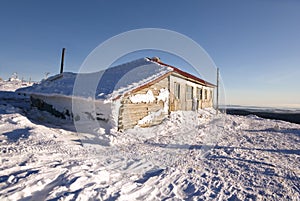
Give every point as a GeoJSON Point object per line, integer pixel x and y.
{"type": "Point", "coordinates": [62, 61]}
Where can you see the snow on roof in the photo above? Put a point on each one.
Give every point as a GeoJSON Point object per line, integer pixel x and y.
{"type": "Point", "coordinates": [115, 81]}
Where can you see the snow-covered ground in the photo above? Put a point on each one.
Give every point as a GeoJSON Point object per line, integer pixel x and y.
{"type": "Point", "coordinates": [190, 156]}
{"type": "Point", "coordinates": [13, 84]}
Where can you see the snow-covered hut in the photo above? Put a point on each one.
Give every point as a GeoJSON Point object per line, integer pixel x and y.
{"type": "Point", "coordinates": [142, 92]}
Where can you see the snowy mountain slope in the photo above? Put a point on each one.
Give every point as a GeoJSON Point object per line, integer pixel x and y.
{"type": "Point", "coordinates": [190, 156]}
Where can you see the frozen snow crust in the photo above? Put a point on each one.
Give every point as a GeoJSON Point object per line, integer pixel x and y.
{"type": "Point", "coordinates": [42, 158]}
{"type": "Point", "coordinates": [190, 156]}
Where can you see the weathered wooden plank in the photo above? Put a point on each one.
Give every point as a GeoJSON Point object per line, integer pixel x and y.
{"type": "Point", "coordinates": [130, 121]}
{"type": "Point", "coordinates": [127, 126]}
{"type": "Point", "coordinates": [129, 118]}
{"type": "Point", "coordinates": [141, 109]}
{"type": "Point", "coordinates": [134, 117]}
{"type": "Point", "coordinates": [133, 109]}
{"type": "Point", "coordinates": [134, 112]}
{"type": "Point", "coordinates": [131, 113]}
{"type": "Point", "coordinates": [155, 109]}
{"type": "Point", "coordinates": [141, 105]}
{"type": "Point", "coordinates": [131, 124]}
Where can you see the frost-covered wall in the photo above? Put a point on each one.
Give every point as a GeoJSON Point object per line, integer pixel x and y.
{"type": "Point", "coordinates": [104, 113]}
{"type": "Point", "coordinates": [60, 106]}
{"type": "Point", "coordinates": [146, 107]}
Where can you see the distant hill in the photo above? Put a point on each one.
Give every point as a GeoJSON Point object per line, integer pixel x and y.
{"type": "Point", "coordinates": [290, 115]}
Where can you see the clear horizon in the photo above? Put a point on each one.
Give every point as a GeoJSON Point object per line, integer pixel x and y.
{"type": "Point", "coordinates": [255, 44]}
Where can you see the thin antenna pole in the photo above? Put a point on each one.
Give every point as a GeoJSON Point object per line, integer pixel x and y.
{"type": "Point", "coordinates": [62, 61]}
{"type": "Point", "coordinates": [217, 107]}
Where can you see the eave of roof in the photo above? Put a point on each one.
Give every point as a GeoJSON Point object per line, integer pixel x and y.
{"type": "Point", "coordinates": [188, 75]}
{"type": "Point", "coordinates": [174, 69]}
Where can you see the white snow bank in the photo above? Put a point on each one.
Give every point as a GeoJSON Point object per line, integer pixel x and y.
{"type": "Point", "coordinates": [254, 159]}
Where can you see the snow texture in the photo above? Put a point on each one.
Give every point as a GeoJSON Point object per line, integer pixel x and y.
{"type": "Point", "coordinates": [13, 84]}
{"type": "Point", "coordinates": [107, 84]}
{"type": "Point", "coordinates": [150, 118]}
{"type": "Point", "coordinates": [43, 158]}
{"type": "Point", "coordinates": [149, 98]}
{"type": "Point", "coordinates": [143, 98]}
{"type": "Point", "coordinates": [164, 96]}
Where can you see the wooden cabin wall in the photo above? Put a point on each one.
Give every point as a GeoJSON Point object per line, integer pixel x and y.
{"type": "Point", "coordinates": [130, 113]}
{"type": "Point", "coordinates": [181, 102]}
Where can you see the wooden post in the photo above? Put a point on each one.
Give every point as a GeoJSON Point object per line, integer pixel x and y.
{"type": "Point", "coordinates": [62, 61]}
{"type": "Point", "coordinates": [217, 104]}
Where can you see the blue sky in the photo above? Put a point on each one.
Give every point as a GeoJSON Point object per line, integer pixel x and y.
{"type": "Point", "coordinates": [255, 44]}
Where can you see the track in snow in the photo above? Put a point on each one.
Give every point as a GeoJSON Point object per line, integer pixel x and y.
{"type": "Point", "coordinates": [250, 159]}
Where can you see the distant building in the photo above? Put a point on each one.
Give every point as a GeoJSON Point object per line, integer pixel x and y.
{"type": "Point", "coordinates": [142, 92]}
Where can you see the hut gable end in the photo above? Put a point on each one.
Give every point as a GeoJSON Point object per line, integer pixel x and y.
{"type": "Point", "coordinates": [132, 113]}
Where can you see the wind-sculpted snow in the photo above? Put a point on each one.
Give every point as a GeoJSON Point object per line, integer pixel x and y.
{"type": "Point", "coordinates": [106, 84]}
{"type": "Point", "coordinates": [190, 156]}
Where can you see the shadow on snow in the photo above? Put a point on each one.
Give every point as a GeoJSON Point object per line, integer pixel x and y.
{"type": "Point", "coordinates": [207, 147]}
{"type": "Point", "coordinates": [292, 131]}
{"type": "Point", "coordinates": [17, 134]}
